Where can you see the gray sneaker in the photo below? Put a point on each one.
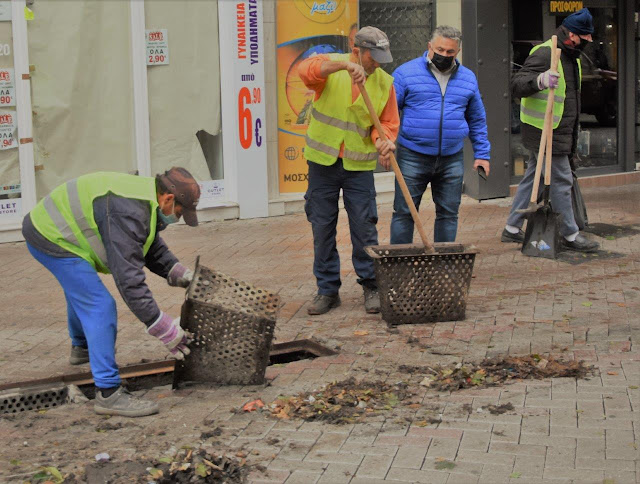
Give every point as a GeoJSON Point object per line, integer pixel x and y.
{"type": "Point", "coordinates": [323, 304]}
{"type": "Point", "coordinates": [123, 403]}
{"type": "Point", "coordinates": [371, 300]}
{"type": "Point", "coordinates": [79, 355]}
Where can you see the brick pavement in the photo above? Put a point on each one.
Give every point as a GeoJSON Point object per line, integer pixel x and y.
{"type": "Point", "coordinates": [560, 431]}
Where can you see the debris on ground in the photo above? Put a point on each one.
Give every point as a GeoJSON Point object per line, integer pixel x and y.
{"type": "Point", "coordinates": [252, 406]}
{"type": "Point", "coordinates": [102, 457]}
{"type": "Point", "coordinates": [498, 409]}
{"type": "Point", "coordinates": [496, 371]}
{"type": "Point", "coordinates": [343, 402]}
{"type": "Point", "coordinates": [199, 466]}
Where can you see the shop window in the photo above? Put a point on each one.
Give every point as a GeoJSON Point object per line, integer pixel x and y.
{"type": "Point", "coordinates": [184, 92]}
{"type": "Point", "coordinates": [597, 141]}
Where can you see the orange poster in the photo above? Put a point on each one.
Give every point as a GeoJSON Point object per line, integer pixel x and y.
{"type": "Point", "coordinates": [304, 28]}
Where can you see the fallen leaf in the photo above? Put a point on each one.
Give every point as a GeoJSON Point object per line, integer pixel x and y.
{"type": "Point", "coordinates": [426, 382]}
{"type": "Point", "coordinates": [633, 387]}
{"type": "Point", "coordinates": [165, 460]}
{"type": "Point", "coordinates": [16, 462]}
{"type": "Point", "coordinates": [612, 373]}
{"type": "Point", "coordinates": [587, 304]}
{"type": "Point", "coordinates": [252, 406]}
{"type": "Point", "coordinates": [421, 423]}
{"type": "Point", "coordinates": [155, 473]}
{"type": "Point", "coordinates": [361, 333]}
{"type": "Point", "coordinates": [201, 470]}
{"type": "Point", "coordinates": [212, 465]}
{"type": "Point", "coordinates": [515, 475]}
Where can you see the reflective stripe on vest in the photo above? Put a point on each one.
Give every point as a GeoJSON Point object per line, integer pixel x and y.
{"type": "Point", "coordinates": [76, 208]}
{"type": "Point", "coordinates": [532, 108]}
{"type": "Point", "coordinates": [338, 123]}
{"type": "Point", "coordinates": [331, 151]}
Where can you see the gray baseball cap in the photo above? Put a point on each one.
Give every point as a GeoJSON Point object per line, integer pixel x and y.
{"type": "Point", "coordinates": [376, 41]}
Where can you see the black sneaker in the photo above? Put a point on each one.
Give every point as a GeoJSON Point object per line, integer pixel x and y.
{"type": "Point", "coordinates": [371, 301]}
{"type": "Point", "coordinates": [581, 244]}
{"type": "Point", "coordinates": [509, 237]}
{"type": "Point", "coordinates": [323, 304]}
{"type": "Point", "coordinates": [79, 355]}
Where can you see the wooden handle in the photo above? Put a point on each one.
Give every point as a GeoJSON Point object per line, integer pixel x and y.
{"type": "Point", "coordinates": [396, 170]}
{"type": "Point", "coordinates": [546, 128]}
{"type": "Point", "coordinates": [555, 58]}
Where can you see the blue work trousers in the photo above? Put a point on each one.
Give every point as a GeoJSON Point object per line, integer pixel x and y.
{"type": "Point", "coordinates": [91, 313]}
{"type": "Point", "coordinates": [445, 173]}
{"type": "Point", "coordinates": [321, 206]}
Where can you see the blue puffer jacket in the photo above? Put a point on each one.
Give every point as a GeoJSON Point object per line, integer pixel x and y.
{"type": "Point", "coordinates": [433, 124]}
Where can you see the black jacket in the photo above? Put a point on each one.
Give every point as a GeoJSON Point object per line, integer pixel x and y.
{"type": "Point", "coordinates": [524, 84]}
{"type": "Point", "coordinates": [123, 224]}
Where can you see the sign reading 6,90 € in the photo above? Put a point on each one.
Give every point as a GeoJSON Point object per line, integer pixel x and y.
{"type": "Point", "coordinates": [243, 103]}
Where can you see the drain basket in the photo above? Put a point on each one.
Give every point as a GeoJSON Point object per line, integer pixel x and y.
{"type": "Point", "coordinates": [422, 288]}
{"type": "Point", "coordinates": [232, 323]}
{"type": "Point", "coordinates": [32, 398]}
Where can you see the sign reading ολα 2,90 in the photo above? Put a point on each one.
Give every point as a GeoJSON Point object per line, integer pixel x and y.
{"type": "Point", "coordinates": [157, 47]}
{"type": "Point", "coordinates": [7, 88]}
{"type": "Point", "coordinates": [8, 130]}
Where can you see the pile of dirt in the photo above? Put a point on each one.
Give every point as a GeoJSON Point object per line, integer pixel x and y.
{"type": "Point", "coordinates": [343, 402]}
{"type": "Point", "coordinates": [499, 370]}
{"type": "Point", "coordinates": [199, 466]}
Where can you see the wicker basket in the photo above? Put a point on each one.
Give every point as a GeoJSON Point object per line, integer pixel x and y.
{"type": "Point", "coordinates": [422, 288]}
{"type": "Point", "coordinates": [232, 323]}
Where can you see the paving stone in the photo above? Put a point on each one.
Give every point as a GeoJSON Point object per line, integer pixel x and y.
{"type": "Point", "coordinates": [303, 477]}
{"type": "Point", "coordinates": [560, 457]}
{"type": "Point", "coordinates": [459, 467]}
{"type": "Point", "coordinates": [516, 449]}
{"type": "Point", "coordinates": [412, 475]}
{"type": "Point", "coordinates": [375, 467]}
{"type": "Point", "coordinates": [389, 450]}
{"type": "Point", "coordinates": [529, 465]}
{"type": "Point", "coordinates": [410, 457]}
{"type": "Point", "coordinates": [443, 448]}
{"type": "Point", "coordinates": [330, 457]}
{"type": "Point", "coordinates": [579, 475]}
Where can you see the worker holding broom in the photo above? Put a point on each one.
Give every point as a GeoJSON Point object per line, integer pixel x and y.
{"type": "Point", "coordinates": [109, 222]}
{"type": "Point", "coordinates": [342, 150]}
{"type": "Point", "coordinates": [531, 84]}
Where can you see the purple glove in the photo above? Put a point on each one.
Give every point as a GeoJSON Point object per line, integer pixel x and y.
{"type": "Point", "coordinates": [180, 276]}
{"type": "Point", "coordinates": [168, 330]}
{"type": "Point", "coordinates": [548, 80]}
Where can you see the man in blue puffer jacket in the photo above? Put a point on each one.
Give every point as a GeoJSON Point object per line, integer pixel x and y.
{"type": "Point", "coordinates": [440, 105]}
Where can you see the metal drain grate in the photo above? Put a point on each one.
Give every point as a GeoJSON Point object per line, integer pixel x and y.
{"type": "Point", "coordinates": [36, 398]}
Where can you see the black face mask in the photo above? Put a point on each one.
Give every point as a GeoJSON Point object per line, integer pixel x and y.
{"type": "Point", "coordinates": [442, 62]}
{"type": "Point", "coordinates": [577, 49]}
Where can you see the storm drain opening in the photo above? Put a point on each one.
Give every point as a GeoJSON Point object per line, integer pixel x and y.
{"type": "Point", "coordinates": [35, 398]}
{"type": "Point", "coordinates": [52, 392]}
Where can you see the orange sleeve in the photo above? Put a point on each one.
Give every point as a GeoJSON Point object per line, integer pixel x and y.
{"type": "Point", "coordinates": [389, 118]}
{"type": "Point", "coordinates": [309, 71]}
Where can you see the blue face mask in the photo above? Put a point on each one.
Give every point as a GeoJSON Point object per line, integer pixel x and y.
{"type": "Point", "coordinates": [169, 219]}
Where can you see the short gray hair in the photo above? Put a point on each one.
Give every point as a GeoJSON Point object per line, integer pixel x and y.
{"type": "Point", "coordinates": [448, 33]}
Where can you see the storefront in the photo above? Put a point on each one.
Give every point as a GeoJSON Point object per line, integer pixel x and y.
{"type": "Point", "coordinates": [608, 138]}
{"type": "Point", "coordinates": [85, 86]}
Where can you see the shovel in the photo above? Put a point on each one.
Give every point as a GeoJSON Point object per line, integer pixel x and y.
{"type": "Point", "coordinates": [542, 238]}
{"type": "Point", "coordinates": [428, 247]}
{"type": "Point", "coordinates": [546, 127]}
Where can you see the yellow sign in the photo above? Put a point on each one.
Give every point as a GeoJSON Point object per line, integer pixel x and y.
{"type": "Point", "coordinates": [304, 28]}
{"type": "Point", "coordinates": [564, 7]}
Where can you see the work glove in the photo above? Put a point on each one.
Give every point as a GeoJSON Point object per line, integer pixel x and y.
{"type": "Point", "coordinates": [168, 330]}
{"type": "Point", "coordinates": [548, 80]}
{"type": "Point", "coordinates": [180, 276]}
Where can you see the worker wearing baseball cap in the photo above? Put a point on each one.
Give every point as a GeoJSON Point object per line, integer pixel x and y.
{"type": "Point", "coordinates": [109, 222]}
{"type": "Point", "coordinates": [342, 150]}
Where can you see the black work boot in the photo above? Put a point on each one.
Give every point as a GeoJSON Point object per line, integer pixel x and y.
{"type": "Point", "coordinates": [79, 355]}
{"type": "Point", "coordinates": [509, 237]}
{"type": "Point", "coordinates": [371, 300]}
{"type": "Point", "coordinates": [323, 304]}
{"type": "Point", "coordinates": [581, 244]}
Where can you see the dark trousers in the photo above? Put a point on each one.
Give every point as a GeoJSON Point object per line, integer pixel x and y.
{"type": "Point", "coordinates": [445, 173]}
{"type": "Point", "coordinates": [321, 206]}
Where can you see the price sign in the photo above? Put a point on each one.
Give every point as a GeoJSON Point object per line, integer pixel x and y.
{"type": "Point", "coordinates": [243, 75]}
{"type": "Point", "coordinates": [157, 47]}
{"type": "Point", "coordinates": [8, 130]}
{"type": "Point", "coordinates": [7, 88]}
